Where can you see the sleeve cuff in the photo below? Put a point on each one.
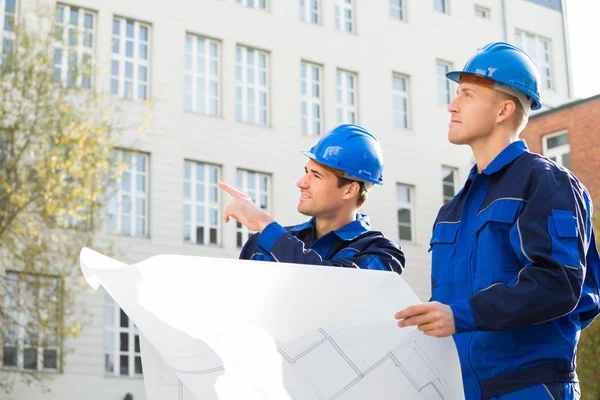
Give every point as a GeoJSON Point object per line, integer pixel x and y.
{"type": "Point", "coordinates": [464, 320]}
{"type": "Point", "coordinates": [269, 236]}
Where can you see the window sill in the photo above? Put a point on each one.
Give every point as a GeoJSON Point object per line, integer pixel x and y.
{"type": "Point", "coordinates": [318, 24]}
{"type": "Point", "coordinates": [345, 33]}
{"type": "Point", "coordinates": [205, 246]}
{"type": "Point", "coordinates": [265, 10]}
{"type": "Point", "coordinates": [132, 101]}
{"type": "Point", "coordinates": [112, 376]}
{"type": "Point", "coordinates": [129, 237]}
{"type": "Point", "coordinates": [265, 126]}
{"type": "Point", "coordinates": [29, 371]}
{"type": "Point", "coordinates": [198, 114]}
{"type": "Point", "coordinates": [400, 20]}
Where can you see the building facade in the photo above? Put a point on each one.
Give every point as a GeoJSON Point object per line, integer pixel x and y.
{"type": "Point", "coordinates": [238, 88]}
{"type": "Point", "coordinates": [569, 135]}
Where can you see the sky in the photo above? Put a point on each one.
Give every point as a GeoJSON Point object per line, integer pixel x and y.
{"type": "Point", "coordinates": [584, 37]}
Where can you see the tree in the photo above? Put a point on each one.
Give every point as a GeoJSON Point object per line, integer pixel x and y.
{"type": "Point", "coordinates": [588, 361]}
{"type": "Point", "coordinates": [56, 137]}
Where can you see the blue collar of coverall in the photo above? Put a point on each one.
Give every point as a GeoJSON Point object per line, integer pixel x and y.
{"type": "Point", "coordinates": [347, 232]}
{"type": "Point", "coordinates": [506, 156]}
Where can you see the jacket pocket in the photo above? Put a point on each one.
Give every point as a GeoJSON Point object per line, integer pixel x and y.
{"type": "Point", "coordinates": [494, 260]}
{"type": "Point", "coordinates": [442, 248]}
{"type": "Point", "coordinates": [562, 227]}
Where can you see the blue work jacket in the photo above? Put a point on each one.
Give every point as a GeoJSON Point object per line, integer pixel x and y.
{"type": "Point", "coordinates": [353, 245]}
{"type": "Point", "coordinates": [513, 255]}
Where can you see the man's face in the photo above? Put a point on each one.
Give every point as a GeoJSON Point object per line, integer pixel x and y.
{"type": "Point", "coordinates": [473, 113]}
{"type": "Point", "coordinates": [320, 195]}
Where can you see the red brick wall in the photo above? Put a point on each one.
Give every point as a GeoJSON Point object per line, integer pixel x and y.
{"type": "Point", "coordinates": [583, 124]}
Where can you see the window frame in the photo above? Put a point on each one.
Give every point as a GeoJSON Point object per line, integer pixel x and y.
{"type": "Point", "coordinates": [206, 204]}
{"type": "Point", "coordinates": [343, 92]}
{"type": "Point", "coordinates": [411, 207]}
{"type": "Point", "coordinates": [135, 60]}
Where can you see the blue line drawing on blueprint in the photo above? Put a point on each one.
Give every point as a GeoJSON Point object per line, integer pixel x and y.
{"type": "Point", "coordinates": [330, 369]}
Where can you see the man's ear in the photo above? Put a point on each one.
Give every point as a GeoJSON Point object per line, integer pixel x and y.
{"type": "Point", "coordinates": [507, 110]}
{"type": "Point", "coordinates": [352, 190]}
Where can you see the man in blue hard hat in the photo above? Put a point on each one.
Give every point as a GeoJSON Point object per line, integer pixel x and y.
{"type": "Point", "coordinates": [342, 167]}
{"type": "Point", "coordinates": [515, 269]}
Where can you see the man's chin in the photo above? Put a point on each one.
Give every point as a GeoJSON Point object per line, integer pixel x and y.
{"type": "Point", "coordinates": [304, 211]}
{"type": "Point", "coordinates": [456, 139]}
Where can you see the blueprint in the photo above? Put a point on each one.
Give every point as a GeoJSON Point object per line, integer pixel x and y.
{"type": "Point", "coordinates": [231, 329]}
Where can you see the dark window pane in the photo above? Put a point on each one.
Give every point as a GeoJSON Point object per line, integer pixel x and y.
{"type": "Point", "coordinates": [200, 235]}
{"type": "Point", "coordinates": [405, 232]}
{"type": "Point", "coordinates": [558, 141]}
{"type": "Point", "coordinates": [448, 176]}
{"type": "Point", "coordinates": [50, 359]}
{"type": "Point", "coordinates": [137, 343]}
{"type": "Point", "coordinates": [448, 191]}
{"type": "Point", "coordinates": [30, 359]}
{"type": "Point", "coordinates": [213, 235]}
{"type": "Point", "coordinates": [239, 239]}
{"type": "Point", "coordinates": [124, 320]}
{"type": "Point", "coordinates": [404, 215]}
{"type": "Point", "coordinates": [124, 341]}
{"type": "Point", "coordinates": [10, 356]}
{"type": "Point", "coordinates": [124, 370]}
{"type": "Point", "coordinates": [138, 365]}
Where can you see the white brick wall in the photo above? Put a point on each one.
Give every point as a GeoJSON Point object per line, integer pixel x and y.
{"type": "Point", "coordinates": [380, 47]}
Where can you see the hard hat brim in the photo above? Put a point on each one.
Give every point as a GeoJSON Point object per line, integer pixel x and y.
{"type": "Point", "coordinates": [348, 175]}
{"type": "Point", "coordinates": [454, 76]}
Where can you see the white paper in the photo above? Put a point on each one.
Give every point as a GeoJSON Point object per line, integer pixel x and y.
{"type": "Point", "coordinates": [234, 329]}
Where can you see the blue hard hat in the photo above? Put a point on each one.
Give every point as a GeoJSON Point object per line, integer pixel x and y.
{"type": "Point", "coordinates": [353, 150]}
{"type": "Point", "coordinates": [507, 65]}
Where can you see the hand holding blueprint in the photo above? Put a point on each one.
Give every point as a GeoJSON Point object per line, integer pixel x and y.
{"type": "Point", "coordinates": [234, 329]}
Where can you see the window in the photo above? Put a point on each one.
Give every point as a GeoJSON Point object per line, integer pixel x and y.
{"type": "Point", "coordinates": [444, 94]}
{"type": "Point", "coordinates": [74, 46]}
{"type": "Point", "coordinates": [397, 9]}
{"type": "Point", "coordinates": [256, 4]}
{"type": "Point", "coordinates": [29, 344]}
{"type": "Point", "coordinates": [482, 12]}
{"type": "Point", "coordinates": [449, 179]}
{"type": "Point", "coordinates": [128, 207]}
{"type": "Point", "coordinates": [405, 208]}
{"type": "Point", "coordinates": [311, 100]}
{"type": "Point", "coordinates": [400, 100]}
{"type": "Point", "coordinates": [344, 15]}
{"type": "Point", "coordinates": [252, 90]}
{"type": "Point", "coordinates": [346, 97]}
{"type": "Point", "coordinates": [556, 147]}
{"type": "Point", "coordinates": [258, 187]}
{"type": "Point", "coordinates": [538, 49]}
{"type": "Point", "coordinates": [441, 6]}
{"type": "Point", "coordinates": [201, 203]}
{"type": "Point", "coordinates": [202, 77]}
{"type": "Point", "coordinates": [7, 27]}
{"type": "Point", "coordinates": [122, 355]}
{"type": "Point", "coordinates": [130, 66]}
{"type": "Point", "coordinates": [310, 11]}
